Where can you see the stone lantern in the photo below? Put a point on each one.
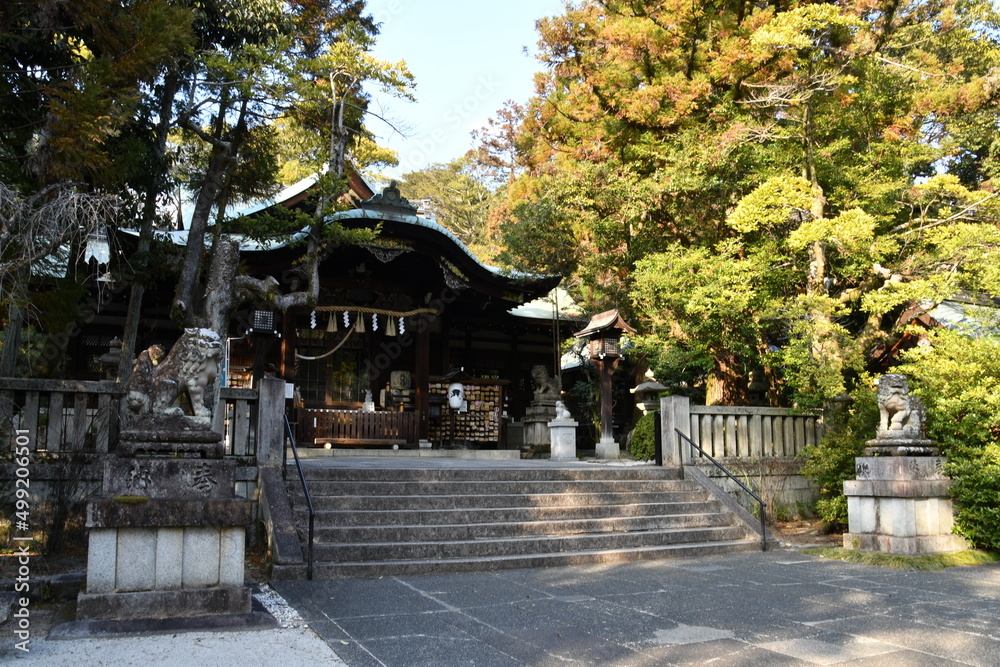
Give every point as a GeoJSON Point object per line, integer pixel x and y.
{"type": "Point", "coordinates": [604, 333]}
{"type": "Point", "coordinates": [110, 360]}
{"type": "Point", "coordinates": [647, 394]}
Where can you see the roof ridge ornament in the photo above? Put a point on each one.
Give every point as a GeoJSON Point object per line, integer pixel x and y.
{"type": "Point", "coordinates": [390, 198]}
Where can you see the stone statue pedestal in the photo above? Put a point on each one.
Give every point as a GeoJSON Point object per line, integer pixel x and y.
{"type": "Point", "coordinates": [887, 445]}
{"type": "Point", "coordinates": [563, 439]}
{"type": "Point", "coordinates": [900, 505]}
{"type": "Point", "coordinates": [537, 438]}
{"type": "Point", "coordinates": [168, 537]}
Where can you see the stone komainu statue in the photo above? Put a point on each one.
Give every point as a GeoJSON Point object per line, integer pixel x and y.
{"type": "Point", "coordinates": [157, 383]}
{"type": "Point", "coordinates": [901, 415]}
{"type": "Point", "coordinates": [546, 388]}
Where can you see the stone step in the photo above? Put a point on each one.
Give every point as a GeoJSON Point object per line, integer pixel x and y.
{"type": "Point", "coordinates": [378, 522]}
{"type": "Point", "coordinates": [313, 473]}
{"type": "Point", "coordinates": [520, 546]}
{"type": "Point", "coordinates": [496, 530]}
{"type": "Point", "coordinates": [406, 567]}
{"type": "Point", "coordinates": [429, 502]}
{"type": "Point", "coordinates": [347, 518]}
{"type": "Point", "coordinates": [494, 487]}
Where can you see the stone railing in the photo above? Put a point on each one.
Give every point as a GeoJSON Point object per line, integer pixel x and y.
{"type": "Point", "coordinates": [759, 445]}
{"type": "Point", "coordinates": [736, 432]}
{"type": "Point", "coordinates": [235, 419]}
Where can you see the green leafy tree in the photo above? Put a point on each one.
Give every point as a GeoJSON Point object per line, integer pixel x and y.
{"type": "Point", "coordinates": [843, 150]}
{"type": "Point", "coordinates": [458, 201]}
{"type": "Point", "coordinates": [276, 67]}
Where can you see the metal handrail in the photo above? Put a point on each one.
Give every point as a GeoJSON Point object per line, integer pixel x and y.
{"type": "Point", "coordinates": [761, 503]}
{"type": "Point", "coordinates": [305, 489]}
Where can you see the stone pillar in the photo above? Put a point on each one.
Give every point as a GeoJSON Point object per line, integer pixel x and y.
{"type": "Point", "coordinates": [562, 431]}
{"type": "Point", "coordinates": [900, 505]}
{"type": "Point", "coordinates": [675, 415]}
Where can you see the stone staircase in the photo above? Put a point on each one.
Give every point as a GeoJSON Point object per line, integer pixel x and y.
{"type": "Point", "coordinates": [384, 522]}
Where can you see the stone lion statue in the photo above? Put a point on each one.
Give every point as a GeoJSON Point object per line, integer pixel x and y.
{"type": "Point", "coordinates": [901, 415]}
{"type": "Point", "coordinates": [546, 388]}
{"type": "Point", "coordinates": [157, 383]}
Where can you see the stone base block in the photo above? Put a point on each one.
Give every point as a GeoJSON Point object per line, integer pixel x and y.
{"type": "Point", "coordinates": [608, 449]}
{"type": "Point", "coordinates": [900, 505]}
{"type": "Point", "coordinates": [170, 434]}
{"type": "Point", "coordinates": [190, 479]}
{"type": "Point", "coordinates": [126, 560]}
{"type": "Point", "coordinates": [900, 468]}
{"type": "Point", "coordinates": [563, 434]}
{"type": "Point", "coordinates": [904, 546]}
{"type": "Point", "coordinates": [536, 431]}
{"type": "Point", "coordinates": [163, 604]}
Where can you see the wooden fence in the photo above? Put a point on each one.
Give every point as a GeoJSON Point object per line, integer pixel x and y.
{"type": "Point", "coordinates": [736, 432]}
{"type": "Point", "coordinates": [357, 428]}
{"type": "Point", "coordinates": [235, 419]}
{"type": "Point", "coordinates": [60, 416]}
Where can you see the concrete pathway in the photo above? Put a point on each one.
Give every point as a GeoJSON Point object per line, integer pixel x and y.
{"type": "Point", "coordinates": [775, 608]}
{"type": "Point", "coordinates": [291, 644]}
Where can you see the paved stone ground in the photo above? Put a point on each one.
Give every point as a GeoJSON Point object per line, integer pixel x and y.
{"type": "Point", "coordinates": [775, 608]}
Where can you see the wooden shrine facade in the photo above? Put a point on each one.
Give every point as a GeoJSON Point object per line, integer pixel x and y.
{"type": "Point", "coordinates": [393, 317]}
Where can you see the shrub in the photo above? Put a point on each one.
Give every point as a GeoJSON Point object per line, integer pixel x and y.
{"type": "Point", "coordinates": [831, 462]}
{"type": "Point", "coordinates": [643, 438]}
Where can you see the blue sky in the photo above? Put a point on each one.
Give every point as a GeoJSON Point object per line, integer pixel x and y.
{"type": "Point", "coordinates": [467, 58]}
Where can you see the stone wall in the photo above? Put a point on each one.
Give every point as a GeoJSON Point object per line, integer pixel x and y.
{"type": "Point", "coordinates": [778, 481]}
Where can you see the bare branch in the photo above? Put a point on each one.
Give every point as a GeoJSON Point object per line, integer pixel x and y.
{"type": "Point", "coordinates": [907, 67]}
{"type": "Point", "coordinates": [35, 227]}
{"type": "Point", "coordinates": [955, 216]}
{"type": "Point", "coordinates": [187, 124]}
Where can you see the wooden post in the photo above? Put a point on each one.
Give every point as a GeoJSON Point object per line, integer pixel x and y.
{"type": "Point", "coordinates": [607, 414]}
{"type": "Point", "coordinates": [289, 339]}
{"type": "Point", "coordinates": [270, 421]}
{"type": "Point", "coordinates": [422, 377]}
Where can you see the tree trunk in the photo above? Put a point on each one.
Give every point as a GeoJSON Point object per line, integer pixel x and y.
{"type": "Point", "coordinates": [134, 313]}
{"type": "Point", "coordinates": [184, 304]}
{"type": "Point", "coordinates": [825, 347]}
{"type": "Point", "coordinates": [12, 340]}
{"type": "Point", "coordinates": [728, 384]}
{"type": "Point", "coordinates": [219, 297]}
